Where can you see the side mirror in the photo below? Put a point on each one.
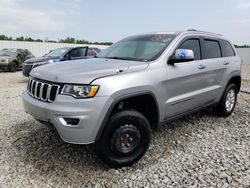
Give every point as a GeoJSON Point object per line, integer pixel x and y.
{"type": "Point", "coordinates": [181, 55]}
{"type": "Point", "coordinates": [67, 57]}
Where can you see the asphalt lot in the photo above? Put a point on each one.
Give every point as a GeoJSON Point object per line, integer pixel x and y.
{"type": "Point", "coordinates": [200, 150]}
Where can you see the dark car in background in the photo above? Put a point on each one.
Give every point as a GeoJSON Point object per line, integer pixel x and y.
{"type": "Point", "coordinates": [11, 59]}
{"type": "Point", "coordinates": [58, 55]}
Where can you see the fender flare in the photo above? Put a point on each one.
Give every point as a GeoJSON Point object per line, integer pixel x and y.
{"type": "Point", "coordinates": [118, 99]}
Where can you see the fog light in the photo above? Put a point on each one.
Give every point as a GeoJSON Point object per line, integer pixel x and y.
{"type": "Point", "coordinates": [69, 122]}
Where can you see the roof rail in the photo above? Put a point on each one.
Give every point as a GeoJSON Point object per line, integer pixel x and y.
{"type": "Point", "coordinates": [204, 32]}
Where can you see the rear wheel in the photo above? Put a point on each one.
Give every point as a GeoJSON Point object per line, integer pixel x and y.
{"type": "Point", "coordinates": [125, 139]}
{"type": "Point", "coordinates": [228, 101]}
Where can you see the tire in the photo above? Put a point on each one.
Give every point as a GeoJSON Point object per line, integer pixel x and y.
{"type": "Point", "coordinates": [228, 101]}
{"type": "Point", "coordinates": [124, 140]}
{"type": "Point", "coordinates": [12, 67]}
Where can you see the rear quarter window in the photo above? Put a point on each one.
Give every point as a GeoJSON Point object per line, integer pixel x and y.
{"type": "Point", "coordinates": [227, 49]}
{"type": "Point", "coordinates": [91, 52]}
{"type": "Point", "coordinates": [212, 49]}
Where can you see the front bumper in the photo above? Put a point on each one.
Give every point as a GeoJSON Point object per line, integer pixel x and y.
{"type": "Point", "coordinates": [90, 112]}
{"type": "Point", "coordinates": [4, 65]}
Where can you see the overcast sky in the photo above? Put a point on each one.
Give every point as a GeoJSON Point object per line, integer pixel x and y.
{"type": "Point", "coordinates": [111, 20]}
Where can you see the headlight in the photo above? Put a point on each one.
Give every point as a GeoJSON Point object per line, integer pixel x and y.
{"type": "Point", "coordinates": [80, 91]}
{"type": "Point", "coordinates": [5, 61]}
{"type": "Point", "coordinates": [49, 61]}
{"type": "Point", "coordinates": [38, 64]}
{"type": "Point", "coordinates": [52, 61]}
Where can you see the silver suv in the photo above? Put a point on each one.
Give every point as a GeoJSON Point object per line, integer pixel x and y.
{"type": "Point", "coordinates": [137, 84]}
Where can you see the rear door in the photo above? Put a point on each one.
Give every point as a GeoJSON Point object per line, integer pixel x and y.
{"type": "Point", "coordinates": [215, 68]}
{"type": "Point", "coordinates": [230, 61]}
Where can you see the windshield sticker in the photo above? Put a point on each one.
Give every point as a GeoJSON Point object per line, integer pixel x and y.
{"type": "Point", "coordinates": [161, 38]}
{"type": "Point", "coordinates": [157, 38]}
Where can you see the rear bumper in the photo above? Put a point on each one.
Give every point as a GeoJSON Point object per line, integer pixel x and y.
{"type": "Point", "coordinates": [90, 113]}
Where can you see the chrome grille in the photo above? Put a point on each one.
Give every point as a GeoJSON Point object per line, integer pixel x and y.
{"type": "Point", "coordinates": [42, 90]}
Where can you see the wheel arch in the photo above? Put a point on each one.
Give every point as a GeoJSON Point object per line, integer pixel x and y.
{"type": "Point", "coordinates": [118, 100]}
{"type": "Point", "coordinates": [235, 80]}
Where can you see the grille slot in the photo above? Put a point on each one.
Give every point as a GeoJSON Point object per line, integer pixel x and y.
{"type": "Point", "coordinates": [42, 90]}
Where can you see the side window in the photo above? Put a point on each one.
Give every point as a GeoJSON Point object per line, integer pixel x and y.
{"type": "Point", "coordinates": [212, 49]}
{"type": "Point", "coordinates": [91, 53]}
{"type": "Point", "coordinates": [77, 52]}
{"type": "Point", "coordinates": [227, 49]}
{"type": "Point", "coordinates": [192, 44]}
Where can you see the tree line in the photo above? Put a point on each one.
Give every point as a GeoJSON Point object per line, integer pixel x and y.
{"type": "Point", "coordinates": [69, 40]}
{"type": "Point", "coordinates": [242, 46]}
{"type": "Point", "coordinates": [72, 40]}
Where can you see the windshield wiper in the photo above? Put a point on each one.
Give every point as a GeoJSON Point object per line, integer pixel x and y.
{"type": "Point", "coordinates": [122, 58]}
{"type": "Point", "coordinates": [126, 58]}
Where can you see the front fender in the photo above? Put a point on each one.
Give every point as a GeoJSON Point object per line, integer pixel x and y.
{"type": "Point", "coordinates": [121, 95]}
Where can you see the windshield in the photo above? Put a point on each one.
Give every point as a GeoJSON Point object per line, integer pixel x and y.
{"type": "Point", "coordinates": [56, 53]}
{"type": "Point", "coordinates": [139, 48]}
{"type": "Point", "coordinates": [8, 53]}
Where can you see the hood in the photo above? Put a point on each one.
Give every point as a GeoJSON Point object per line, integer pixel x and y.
{"type": "Point", "coordinates": [86, 70]}
{"type": "Point", "coordinates": [5, 58]}
{"type": "Point", "coordinates": [40, 59]}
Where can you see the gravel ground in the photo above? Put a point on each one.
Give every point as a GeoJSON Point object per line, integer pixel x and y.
{"type": "Point", "coordinates": [198, 151]}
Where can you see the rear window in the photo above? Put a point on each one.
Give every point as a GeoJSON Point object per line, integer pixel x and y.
{"type": "Point", "coordinates": [212, 49]}
{"type": "Point", "coordinates": [227, 49]}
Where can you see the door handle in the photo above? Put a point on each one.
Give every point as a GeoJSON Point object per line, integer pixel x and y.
{"type": "Point", "coordinates": [201, 67]}
{"type": "Point", "coordinates": [225, 63]}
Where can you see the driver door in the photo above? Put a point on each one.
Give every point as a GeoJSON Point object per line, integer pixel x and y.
{"type": "Point", "coordinates": [77, 53]}
{"type": "Point", "coordinates": [187, 82]}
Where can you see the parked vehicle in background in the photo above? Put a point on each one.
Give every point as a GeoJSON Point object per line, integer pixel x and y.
{"type": "Point", "coordinates": [58, 55]}
{"type": "Point", "coordinates": [11, 59]}
{"type": "Point", "coordinates": [132, 87]}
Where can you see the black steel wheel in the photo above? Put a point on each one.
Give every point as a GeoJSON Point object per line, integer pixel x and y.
{"type": "Point", "coordinates": [125, 139]}
{"type": "Point", "coordinates": [12, 67]}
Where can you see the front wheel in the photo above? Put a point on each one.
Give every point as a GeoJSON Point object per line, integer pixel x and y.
{"type": "Point", "coordinates": [227, 102]}
{"type": "Point", "coordinates": [12, 67]}
{"type": "Point", "coordinates": [125, 139]}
